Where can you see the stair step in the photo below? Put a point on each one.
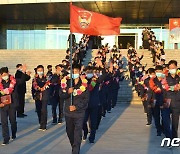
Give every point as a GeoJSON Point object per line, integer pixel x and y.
{"type": "Point", "coordinates": [34, 57]}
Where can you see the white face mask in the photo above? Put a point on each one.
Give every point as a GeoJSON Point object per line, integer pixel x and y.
{"type": "Point", "coordinates": [172, 71]}
{"type": "Point", "coordinates": [5, 77]}
{"type": "Point", "coordinates": [89, 75]}
{"type": "Point", "coordinates": [75, 76]}
{"type": "Point", "coordinates": [163, 75]}
{"type": "Point", "coordinates": [40, 73]}
{"type": "Point", "coordinates": [158, 74]}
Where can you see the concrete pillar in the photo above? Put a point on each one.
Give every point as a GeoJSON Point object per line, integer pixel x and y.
{"type": "Point", "coordinates": [3, 37]}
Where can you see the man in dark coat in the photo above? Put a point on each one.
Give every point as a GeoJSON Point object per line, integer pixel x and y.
{"type": "Point", "coordinates": [173, 94]}
{"type": "Point", "coordinates": [75, 110]}
{"type": "Point", "coordinates": [21, 89]}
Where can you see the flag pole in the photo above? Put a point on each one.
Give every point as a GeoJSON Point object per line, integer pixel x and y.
{"type": "Point", "coordinates": [71, 83]}
{"type": "Point", "coordinates": [71, 70]}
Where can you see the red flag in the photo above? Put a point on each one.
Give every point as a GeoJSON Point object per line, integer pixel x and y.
{"type": "Point", "coordinates": [174, 23]}
{"type": "Point", "coordinates": [91, 23]}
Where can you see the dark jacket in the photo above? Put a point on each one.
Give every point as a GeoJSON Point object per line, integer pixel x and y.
{"type": "Point", "coordinates": [22, 87]}
{"type": "Point", "coordinates": [41, 82]}
{"type": "Point", "coordinates": [79, 101]}
{"type": "Point", "coordinates": [117, 76]}
{"type": "Point", "coordinates": [94, 99]}
{"type": "Point", "coordinates": [55, 85]}
{"type": "Point", "coordinates": [173, 95]}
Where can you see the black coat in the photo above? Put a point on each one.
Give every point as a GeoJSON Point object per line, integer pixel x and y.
{"type": "Point", "coordinates": [94, 99]}
{"type": "Point", "coordinates": [79, 101]}
{"type": "Point", "coordinates": [55, 85]}
{"type": "Point", "coordinates": [22, 87]}
{"type": "Point", "coordinates": [173, 95]}
{"type": "Point", "coordinates": [41, 82]}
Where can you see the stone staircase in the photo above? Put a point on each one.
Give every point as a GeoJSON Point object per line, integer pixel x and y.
{"type": "Point", "coordinates": [31, 58]}
{"type": "Point", "coordinates": [126, 95]}
{"type": "Point", "coordinates": [89, 56]}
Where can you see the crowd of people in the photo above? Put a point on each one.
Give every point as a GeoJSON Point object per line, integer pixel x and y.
{"type": "Point", "coordinates": [151, 43]}
{"type": "Point", "coordinates": [92, 93]}
{"type": "Point", "coordinates": [158, 87]}
{"type": "Point", "coordinates": [91, 96]}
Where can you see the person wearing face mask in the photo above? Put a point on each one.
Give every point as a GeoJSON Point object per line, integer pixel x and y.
{"type": "Point", "coordinates": [173, 93]}
{"type": "Point", "coordinates": [131, 65]}
{"type": "Point", "coordinates": [108, 84]}
{"type": "Point", "coordinates": [115, 84]}
{"type": "Point", "coordinates": [75, 110]}
{"type": "Point", "coordinates": [101, 107]}
{"type": "Point", "coordinates": [94, 104]}
{"type": "Point", "coordinates": [49, 73]}
{"type": "Point", "coordinates": [41, 96]}
{"type": "Point", "coordinates": [94, 101]}
{"type": "Point", "coordinates": [160, 107]}
{"type": "Point", "coordinates": [9, 102]}
{"type": "Point", "coordinates": [65, 64]}
{"type": "Point", "coordinates": [130, 51]}
{"type": "Point", "coordinates": [103, 93]}
{"type": "Point", "coordinates": [147, 96]}
{"type": "Point", "coordinates": [137, 74]}
{"type": "Point", "coordinates": [21, 89]}
{"type": "Point", "coordinates": [54, 95]}
{"type": "Point", "coordinates": [142, 89]}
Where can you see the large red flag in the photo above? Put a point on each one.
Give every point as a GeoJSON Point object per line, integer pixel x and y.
{"type": "Point", "coordinates": [91, 23]}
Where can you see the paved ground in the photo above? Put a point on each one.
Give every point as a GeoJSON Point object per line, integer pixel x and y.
{"type": "Point", "coordinates": [122, 132]}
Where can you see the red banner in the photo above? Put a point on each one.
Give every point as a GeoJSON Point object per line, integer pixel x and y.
{"type": "Point", "coordinates": [174, 29]}
{"type": "Point", "coordinates": [173, 23]}
{"type": "Point", "coordinates": [91, 23]}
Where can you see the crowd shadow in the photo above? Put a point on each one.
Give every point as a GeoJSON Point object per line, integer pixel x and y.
{"type": "Point", "coordinates": [28, 125]}
{"type": "Point", "coordinates": [154, 145]}
{"type": "Point", "coordinates": [104, 127]}
{"type": "Point", "coordinates": [41, 143]}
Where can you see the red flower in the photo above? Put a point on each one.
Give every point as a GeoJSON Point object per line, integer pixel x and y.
{"type": "Point", "coordinates": [84, 84]}
{"type": "Point", "coordinates": [79, 91]}
{"type": "Point", "coordinates": [63, 85]}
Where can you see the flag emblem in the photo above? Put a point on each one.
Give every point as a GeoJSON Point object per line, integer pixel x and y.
{"type": "Point", "coordinates": [84, 19]}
